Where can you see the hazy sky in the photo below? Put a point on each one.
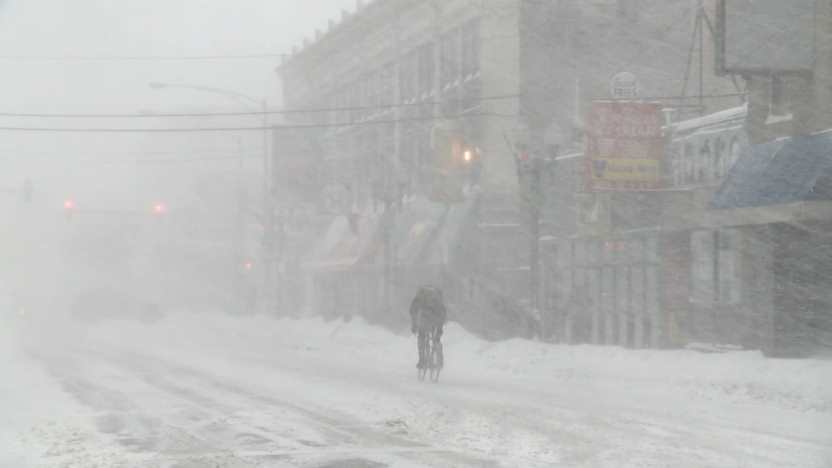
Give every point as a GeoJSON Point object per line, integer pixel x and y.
{"type": "Point", "coordinates": [146, 27]}
{"type": "Point", "coordinates": [31, 29]}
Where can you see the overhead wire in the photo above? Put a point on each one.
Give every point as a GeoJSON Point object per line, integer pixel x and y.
{"type": "Point", "coordinates": [136, 58]}
{"type": "Point", "coordinates": [242, 128]}
{"type": "Point", "coordinates": [238, 113]}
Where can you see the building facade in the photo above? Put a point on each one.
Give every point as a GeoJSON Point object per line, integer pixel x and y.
{"type": "Point", "coordinates": [377, 93]}
{"type": "Point", "coordinates": [731, 250]}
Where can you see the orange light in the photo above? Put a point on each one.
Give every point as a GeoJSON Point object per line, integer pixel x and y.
{"type": "Point", "coordinates": [468, 156]}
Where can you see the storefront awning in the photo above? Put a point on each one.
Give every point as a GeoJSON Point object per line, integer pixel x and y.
{"type": "Point", "coordinates": [426, 231]}
{"type": "Point", "coordinates": [345, 243]}
{"type": "Point", "coordinates": [423, 233]}
{"type": "Point", "coordinates": [779, 172]}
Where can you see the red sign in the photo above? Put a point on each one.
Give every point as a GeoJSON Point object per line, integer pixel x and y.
{"type": "Point", "coordinates": [624, 146]}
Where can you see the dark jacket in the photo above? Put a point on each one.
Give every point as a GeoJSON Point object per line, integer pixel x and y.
{"type": "Point", "coordinates": [427, 310]}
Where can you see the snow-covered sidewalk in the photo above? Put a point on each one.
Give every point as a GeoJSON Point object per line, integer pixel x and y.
{"type": "Point", "coordinates": [40, 424]}
{"type": "Point", "coordinates": [519, 403]}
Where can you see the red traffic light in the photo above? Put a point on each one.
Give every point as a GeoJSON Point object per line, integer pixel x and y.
{"type": "Point", "coordinates": [159, 208]}
{"type": "Point", "coordinates": [248, 265]}
{"type": "Point", "coordinates": [69, 204]}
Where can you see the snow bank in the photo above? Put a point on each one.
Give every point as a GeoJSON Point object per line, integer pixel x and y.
{"type": "Point", "coordinates": [37, 419]}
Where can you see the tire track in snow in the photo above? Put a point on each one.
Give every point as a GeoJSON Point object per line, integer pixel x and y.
{"type": "Point", "coordinates": [622, 430]}
{"type": "Point", "coordinates": [340, 428]}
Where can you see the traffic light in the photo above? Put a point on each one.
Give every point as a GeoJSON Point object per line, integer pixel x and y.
{"type": "Point", "coordinates": [69, 208]}
{"type": "Point", "coordinates": [159, 209]}
{"type": "Point", "coordinates": [452, 159]}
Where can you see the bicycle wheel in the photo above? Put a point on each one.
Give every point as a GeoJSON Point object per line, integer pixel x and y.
{"type": "Point", "coordinates": [421, 372]}
{"type": "Point", "coordinates": [436, 358]}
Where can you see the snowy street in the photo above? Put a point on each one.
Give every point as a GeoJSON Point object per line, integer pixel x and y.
{"type": "Point", "coordinates": [259, 392]}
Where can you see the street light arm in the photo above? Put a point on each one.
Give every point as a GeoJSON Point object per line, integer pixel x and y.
{"type": "Point", "coordinates": [268, 210]}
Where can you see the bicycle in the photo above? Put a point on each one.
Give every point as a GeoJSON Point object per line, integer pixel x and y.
{"type": "Point", "coordinates": [430, 353]}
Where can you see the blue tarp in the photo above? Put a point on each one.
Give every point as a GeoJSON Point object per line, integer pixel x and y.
{"type": "Point", "coordinates": [779, 172]}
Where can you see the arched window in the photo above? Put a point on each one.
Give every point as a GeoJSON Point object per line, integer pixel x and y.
{"type": "Point", "coordinates": [705, 162]}
{"type": "Point", "coordinates": [736, 149]}
{"type": "Point", "coordinates": [719, 158]}
{"type": "Point", "coordinates": [688, 158]}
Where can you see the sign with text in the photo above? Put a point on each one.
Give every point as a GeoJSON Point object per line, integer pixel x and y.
{"type": "Point", "coordinates": [624, 85]}
{"type": "Point", "coordinates": [624, 146]}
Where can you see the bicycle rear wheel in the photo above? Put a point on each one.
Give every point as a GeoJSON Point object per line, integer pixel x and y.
{"type": "Point", "coordinates": [436, 358]}
{"type": "Point", "coordinates": [424, 353]}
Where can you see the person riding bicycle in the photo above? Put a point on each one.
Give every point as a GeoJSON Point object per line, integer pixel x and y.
{"type": "Point", "coordinates": [427, 318]}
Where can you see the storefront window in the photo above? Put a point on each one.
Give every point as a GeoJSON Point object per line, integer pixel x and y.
{"type": "Point", "coordinates": [622, 303]}
{"type": "Point", "coordinates": [608, 303]}
{"type": "Point", "coordinates": [471, 48]}
{"type": "Point", "coordinates": [702, 265]}
{"type": "Point", "coordinates": [564, 259]}
{"type": "Point", "coordinates": [652, 249]}
{"type": "Point", "coordinates": [637, 304]}
{"type": "Point", "coordinates": [728, 267]}
{"type": "Point", "coordinates": [715, 274]}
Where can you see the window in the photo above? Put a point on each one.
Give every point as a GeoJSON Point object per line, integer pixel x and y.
{"type": "Point", "coordinates": [715, 275]}
{"type": "Point", "coordinates": [736, 149]}
{"type": "Point", "coordinates": [386, 85]}
{"type": "Point", "coordinates": [719, 158]}
{"type": "Point", "coordinates": [356, 95]}
{"type": "Point", "coordinates": [471, 48]}
{"type": "Point", "coordinates": [728, 260]}
{"type": "Point", "coordinates": [425, 70]}
{"type": "Point", "coordinates": [688, 158]}
{"type": "Point", "coordinates": [704, 164]}
{"type": "Point", "coordinates": [702, 265]}
{"type": "Point", "coordinates": [470, 95]}
{"type": "Point", "coordinates": [450, 64]}
{"type": "Point", "coordinates": [408, 77]}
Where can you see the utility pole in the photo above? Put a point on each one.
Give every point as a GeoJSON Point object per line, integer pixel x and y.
{"type": "Point", "coordinates": [535, 206]}
{"type": "Point", "coordinates": [269, 286]}
{"type": "Point", "coordinates": [240, 282]}
{"type": "Point", "coordinates": [391, 174]}
{"type": "Point", "coordinates": [530, 168]}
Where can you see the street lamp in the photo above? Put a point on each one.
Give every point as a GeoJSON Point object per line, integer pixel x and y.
{"type": "Point", "coordinates": [263, 108]}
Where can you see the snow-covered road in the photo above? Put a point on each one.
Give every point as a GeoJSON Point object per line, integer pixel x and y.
{"type": "Point", "coordinates": [210, 391]}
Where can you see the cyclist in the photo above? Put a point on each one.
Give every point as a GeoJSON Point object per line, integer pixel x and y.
{"type": "Point", "coordinates": [427, 318]}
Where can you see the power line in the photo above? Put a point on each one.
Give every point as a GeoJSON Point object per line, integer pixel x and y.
{"type": "Point", "coordinates": [160, 161]}
{"type": "Point", "coordinates": [240, 129]}
{"type": "Point", "coordinates": [310, 110]}
{"type": "Point", "coordinates": [245, 113]}
{"type": "Point", "coordinates": [135, 58]}
{"type": "Point", "coordinates": [6, 153]}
